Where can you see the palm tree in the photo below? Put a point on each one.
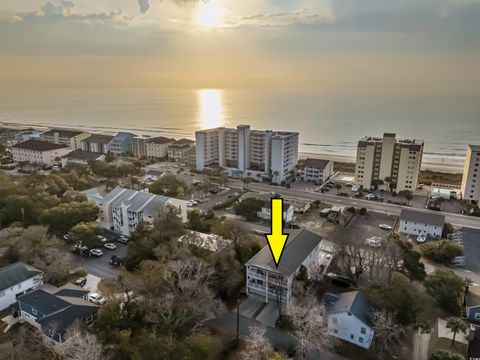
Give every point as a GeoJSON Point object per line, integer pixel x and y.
{"type": "Point", "coordinates": [316, 202]}
{"type": "Point", "coordinates": [456, 324]}
{"type": "Point", "coordinates": [376, 183]}
{"type": "Point", "coordinates": [388, 180]}
{"type": "Point", "coordinates": [246, 181]}
{"type": "Point", "coordinates": [338, 187]}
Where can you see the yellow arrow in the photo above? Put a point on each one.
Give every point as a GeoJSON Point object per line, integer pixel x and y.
{"type": "Point", "coordinates": [277, 239]}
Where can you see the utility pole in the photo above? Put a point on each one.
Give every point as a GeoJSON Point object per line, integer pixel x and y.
{"type": "Point", "coordinates": [238, 319]}
{"type": "Point", "coordinates": [81, 252]}
{"type": "Point", "coordinates": [22, 210]}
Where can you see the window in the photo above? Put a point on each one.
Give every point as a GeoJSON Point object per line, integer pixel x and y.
{"type": "Point", "coordinates": [360, 339]}
{"type": "Point", "coordinates": [363, 330]}
{"type": "Point", "coordinates": [477, 316]}
{"type": "Point", "coordinates": [34, 312]}
{"type": "Point", "coordinates": [352, 336]}
{"type": "Point", "coordinates": [335, 331]}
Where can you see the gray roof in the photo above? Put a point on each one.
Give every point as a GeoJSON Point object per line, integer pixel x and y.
{"type": "Point", "coordinates": [72, 292]}
{"type": "Point", "coordinates": [14, 274]}
{"type": "Point", "coordinates": [161, 140]}
{"type": "Point", "coordinates": [62, 132]}
{"type": "Point", "coordinates": [135, 200]}
{"type": "Point", "coordinates": [38, 145]}
{"type": "Point", "coordinates": [99, 138]}
{"type": "Point", "coordinates": [300, 244]}
{"type": "Point", "coordinates": [429, 218]}
{"type": "Point", "coordinates": [353, 301]}
{"type": "Point", "coordinates": [316, 163]}
{"type": "Point", "coordinates": [45, 302]}
{"type": "Point", "coordinates": [83, 155]}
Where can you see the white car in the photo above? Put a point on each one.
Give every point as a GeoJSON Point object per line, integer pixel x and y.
{"type": "Point", "coordinates": [110, 246]}
{"type": "Point", "coordinates": [123, 239]}
{"type": "Point", "coordinates": [96, 252]}
{"type": "Point", "coordinates": [354, 189]}
{"type": "Point", "coordinates": [385, 227]}
{"type": "Point", "coordinates": [96, 298]}
{"type": "Point", "coordinates": [421, 239]}
{"type": "Point", "coordinates": [374, 241]}
{"type": "Point", "coordinates": [102, 238]}
{"type": "Point", "coordinates": [370, 197]}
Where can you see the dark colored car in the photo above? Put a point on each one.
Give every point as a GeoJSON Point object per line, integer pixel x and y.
{"type": "Point", "coordinates": [116, 260]}
{"type": "Point", "coordinates": [333, 217]}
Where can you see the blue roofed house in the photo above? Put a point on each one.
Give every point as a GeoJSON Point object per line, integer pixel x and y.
{"type": "Point", "coordinates": [17, 279]}
{"type": "Point", "coordinates": [121, 143]}
{"type": "Point", "coordinates": [350, 317]}
{"type": "Point", "coordinates": [472, 305]}
{"type": "Point", "coordinates": [55, 310]}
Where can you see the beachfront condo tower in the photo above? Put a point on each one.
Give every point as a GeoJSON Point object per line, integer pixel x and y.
{"type": "Point", "coordinates": [471, 174]}
{"type": "Point", "coordinates": [388, 163]}
{"type": "Point", "coordinates": [240, 151]}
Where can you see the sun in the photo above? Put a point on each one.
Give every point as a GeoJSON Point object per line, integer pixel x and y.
{"type": "Point", "coordinates": [209, 14]}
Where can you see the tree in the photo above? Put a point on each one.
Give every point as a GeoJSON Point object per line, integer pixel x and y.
{"type": "Point", "coordinates": [248, 208]}
{"type": "Point", "coordinates": [246, 181]}
{"type": "Point", "coordinates": [310, 328]}
{"type": "Point", "coordinates": [443, 251]}
{"type": "Point", "coordinates": [316, 203]}
{"type": "Point", "coordinates": [447, 230]}
{"type": "Point", "coordinates": [445, 355]}
{"type": "Point", "coordinates": [388, 180]}
{"type": "Point", "coordinates": [446, 288]}
{"type": "Point", "coordinates": [198, 222]}
{"type": "Point", "coordinates": [387, 336]}
{"type": "Point", "coordinates": [231, 230]}
{"type": "Point", "coordinates": [257, 347]}
{"type": "Point", "coordinates": [376, 183]}
{"type": "Point", "coordinates": [63, 217]}
{"type": "Point", "coordinates": [87, 234]}
{"type": "Point", "coordinates": [82, 345]}
{"type": "Point", "coordinates": [338, 187]}
{"type": "Point", "coordinates": [167, 185]}
{"type": "Point", "coordinates": [456, 324]}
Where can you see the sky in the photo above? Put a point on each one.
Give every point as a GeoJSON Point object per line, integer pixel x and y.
{"type": "Point", "coordinates": [331, 46]}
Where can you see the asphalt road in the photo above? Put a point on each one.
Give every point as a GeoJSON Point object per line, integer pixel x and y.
{"type": "Point", "coordinates": [100, 266]}
{"type": "Point", "coordinates": [390, 209]}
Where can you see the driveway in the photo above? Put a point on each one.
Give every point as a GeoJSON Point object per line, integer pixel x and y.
{"type": "Point", "coordinates": [421, 343]}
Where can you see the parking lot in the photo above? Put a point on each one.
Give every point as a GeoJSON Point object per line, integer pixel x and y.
{"type": "Point", "coordinates": [366, 226]}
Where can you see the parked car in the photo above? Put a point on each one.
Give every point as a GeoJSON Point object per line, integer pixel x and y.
{"type": "Point", "coordinates": [333, 217]}
{"type": "Point", "coordinates": [116, 260]}
{"type": "Point", "coordinates": [102, 238]}
{"type": "Point", "coordinates": [385, 227]}
{"type": "Point", "coordinates": [110, 246]}
{"type": "Point", "coordinates": [369, 196]}
{"type": "Point", "coordinates": [374, 241]}
{"type": "Point", "coordinates": [123, 239]}
{"type": "Point", "coordinates": [81, 282]}
{"type": "Point", "coordinates": [354, 189]}
{"type": "Point", "coordinates": [421, 238]}
{"type": "Point", "coordinates": [81, 249]}
{"type": "Point", "coordinates": [96, 252]}
{"type": "Point", "coordinates": [96, 298]}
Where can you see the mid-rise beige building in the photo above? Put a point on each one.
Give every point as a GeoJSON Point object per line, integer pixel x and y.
{"type": "Point", "coordinates": [388, 162]}
{"type": "Point", "coordinates": [71, 138]}
{"type": "Point", "coordinates": [179, 150]}
{"type": "Point", "coordinates": [470, 181]}
{"type": "Point", "coordinates": [157, 148]}
{"type": "Point", "coordinates": [39, 153]}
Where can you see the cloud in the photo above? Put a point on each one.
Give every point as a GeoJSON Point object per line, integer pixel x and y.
{"type": "Point", "coordinates": [303, 16]}
{"type": "Point", "coordinates": [144, 6]}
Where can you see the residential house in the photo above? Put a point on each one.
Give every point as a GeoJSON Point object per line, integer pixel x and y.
{"type": "Point", "coordinates": [54, 311]}
{"type": "Point", "coordinates": [38, 152]}
{"type": "Point", "coordinates": [17, 279]}
{"type": "Point", "coordinates": [121, 210]}
{"type": "Point", "coordinates": [81, 157]}
{"type": "Point", "coordinates": [264, 278]}
{"type": "Point", "coordinates": [157, 148]}
{"type": "Point", "coordinates": [316, 170]}
{"type": "Point", "coordinates": [414, 222]}
{"type": "Point", "coordinates": [349, 317]}
{"type": "Point", "coordinates": [152, 175]}
{"type": "Point", "coordinates": [178, 151]}
{"type": "Point", "coordinates": [472, 304]}
{"type": "Point", "coordinates": [71, 138]}
{"type": "Point", "coordinates": [266, 212]}
{"type": "Point", "coordinates": [121, 143]}
{"type": "Point", "coordinates": [96, 143]}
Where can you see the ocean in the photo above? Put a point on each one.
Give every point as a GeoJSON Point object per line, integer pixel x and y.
{"type": "Point", "coordinates": [329, 125]}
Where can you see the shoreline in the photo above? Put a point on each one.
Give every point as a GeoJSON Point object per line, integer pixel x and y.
{"type": "Point", "coordinates": [454, 166]}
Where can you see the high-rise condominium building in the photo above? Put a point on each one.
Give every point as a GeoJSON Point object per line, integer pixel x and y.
{"type": "Point", "coordinates": [388, 163]}
{"type": "Point", "coordinates": [258, 154]}
{"type": "Point", "coordinates": [471, 174]}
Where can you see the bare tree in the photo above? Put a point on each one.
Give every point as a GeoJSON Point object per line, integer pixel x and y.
{"type": "Point", "coordinates": [82, 345]}
{"type": "Point", "coordinates": [387, 335]}
{"type": "Point", "coordinates": [310, 329]}
{"type": "Point", "coordinates": [258, 347]}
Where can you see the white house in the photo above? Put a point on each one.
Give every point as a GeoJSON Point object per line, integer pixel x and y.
{"type": "Point", "coordinates": [266, 212]}
{"type": "Point", "coordinates": [316, 170]}
{"type": "Point", "coordinates": [267, 280]}
{"type": "Point", "coordinates": [81, 157]}
{"type": "Point", "coordinates": [17, 279]}
{"type": "Point", "coordinates": [349, 317]}
{"type": "Point", "coordinates": [38, 152]}
{"type": "Point", "coordinates": [416, 223]}
{"type": "Point", "coordinates": [121, 210]}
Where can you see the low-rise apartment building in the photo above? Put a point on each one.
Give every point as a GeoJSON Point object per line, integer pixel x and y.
{"type": "Point", "coordinates": [243, 152]}
{"type": "Point", "coordinates": [265, 279]}
{"type": "Point", "coordinates": [121, 210]}
{"type": "Point", "coordinates": [41, 153]}
{"type": "Point", "coordinates": [179, 150]}
{"type": "Point", "coordinates": [413, 222]}
{"type": "Point", "coordinates": [471, 175]}
{"type": "Point", "coordinates": [71, 138]}
{"type": "Point", "coordinates": [316, 170]}
{"type": "Point", "coordinates": [81, 157]}
{"type": "Point", "coordinates": [96, 143]}
{"type": "Point", "coordinates": [121, 143]}
{"type": "Point", "coordinates": [388, 163]}
{"type": "Point", "coordinates": [17, 279]}
{"type": "Point", "coordinates": [157, 148]}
